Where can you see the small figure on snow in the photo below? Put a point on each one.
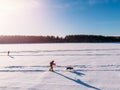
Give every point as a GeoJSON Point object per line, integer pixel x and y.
{"type": "Point", "coordinates": [8, 53]}
{"type": "Point", "coordinates": [52, 63]}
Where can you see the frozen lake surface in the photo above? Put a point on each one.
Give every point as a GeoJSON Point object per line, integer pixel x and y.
{"type": "Point", "coordinates": [96, 66]}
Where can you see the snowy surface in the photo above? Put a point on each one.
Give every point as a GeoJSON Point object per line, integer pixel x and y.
{"type": "Point", "coordinates": [96, 66]}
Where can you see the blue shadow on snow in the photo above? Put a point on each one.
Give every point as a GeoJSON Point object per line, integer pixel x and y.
{"type": "Point", "coordinates": [78, 81]}
{"type": "Point", "coordinates": [77, 73]}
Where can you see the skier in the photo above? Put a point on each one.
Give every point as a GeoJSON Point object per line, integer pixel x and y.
{"type": "Point", "coordinates": [52, 63]}
{"type": "Point", "coordinates": [8, 53]}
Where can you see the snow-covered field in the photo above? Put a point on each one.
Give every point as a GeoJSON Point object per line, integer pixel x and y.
{"type": "Point", "coordinates": [96, 66]}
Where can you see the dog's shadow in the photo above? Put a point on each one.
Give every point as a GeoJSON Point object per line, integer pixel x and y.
{"type": "Point", "coordinates": [77, 73]}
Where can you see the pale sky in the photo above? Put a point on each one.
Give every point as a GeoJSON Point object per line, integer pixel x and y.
{"type": "Point", "coordinates": [59, 17]}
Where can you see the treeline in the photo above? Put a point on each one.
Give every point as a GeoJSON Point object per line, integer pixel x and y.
{"type": "Point", "coordinates": [92, 38]}
{"type": "Point", "coordinates": [57, 39]}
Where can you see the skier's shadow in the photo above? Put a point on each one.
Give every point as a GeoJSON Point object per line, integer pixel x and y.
{"type": "Point", "coordinates": [11, 56]}
{"type": "Point", "coordinates": [78, 81]}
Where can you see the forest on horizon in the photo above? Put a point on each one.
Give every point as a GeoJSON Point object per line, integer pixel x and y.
{"type": "Point", "coordinates": [56, 39]}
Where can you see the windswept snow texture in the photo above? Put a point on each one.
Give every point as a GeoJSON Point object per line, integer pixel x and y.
{"type": "Point", "coordinates": [96, 66]}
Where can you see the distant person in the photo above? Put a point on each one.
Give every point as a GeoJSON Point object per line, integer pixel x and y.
{"type": "Point", "coordinates": [52, 63]}
{"type": "Point", "coordinates": [8, 53]}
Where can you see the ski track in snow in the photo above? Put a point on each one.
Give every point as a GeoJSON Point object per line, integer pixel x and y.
{"type": "Point", "coordinates": [60, 68]}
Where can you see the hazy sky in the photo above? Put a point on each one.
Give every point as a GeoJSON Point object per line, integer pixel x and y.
{"type": "Point", "coordinates": [59, 17]}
